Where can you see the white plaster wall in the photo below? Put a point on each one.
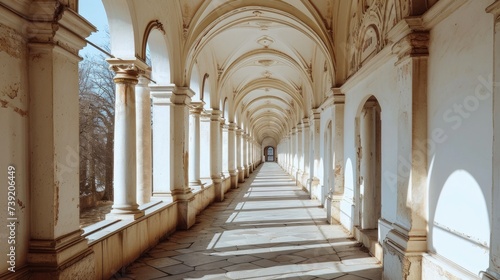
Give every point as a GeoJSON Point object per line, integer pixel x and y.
{"type": "Point", "coordinates": [14, 140]}
{"type": "Point", "coordinates": [383, 85]}
{"type": "Point", "coordinates": [460, 160]}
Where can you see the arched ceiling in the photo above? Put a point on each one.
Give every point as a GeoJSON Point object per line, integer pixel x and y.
{"type": "Point", "coordinates": [267, 56]}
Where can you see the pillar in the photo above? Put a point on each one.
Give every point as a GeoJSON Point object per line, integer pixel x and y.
{"type": "Point", "coordinates": [494, 266]}
{"type": "Point", "coordinates": [300, 154]}
{"type": "Point", "coordinates": [239, 155]}
{"type": "Point", "coordinates": [295, 149]}
{"type": "Point", "coordinates": [125, 150]}
{"type": "Point", "coordinates": [407, 241]}
{"type": "Point", "coordinates": [215, 155]}
{"type": "Point", "coordinates": [56, 248]}
{"type": "Point", "coordinates": [143, 145]}
{"type": "Point", "coordinates": [179, 159]}
{"type": "Point", "coordinates": [194, 144]}
{"type": "Point", "coordinates": [245, 154]}
{"type": "Point", "coordinates": [233, 172]}
{"type": "Point", "coordinates": [306, 131]}
{"type": "Point", "coordinates": [338, 141]}
{"type": "Point", "coordinates": [316, 123]}
{"type": "Point", "coordinates": [161, 95]}
{"type": "Point", "coordinates": [224, 148]}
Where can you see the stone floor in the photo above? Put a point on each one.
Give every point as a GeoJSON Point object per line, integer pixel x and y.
{"type": "Point", "coordinates": [266, 229]}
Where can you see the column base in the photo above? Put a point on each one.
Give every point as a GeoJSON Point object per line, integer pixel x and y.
{"type": "Point", "coordinates": [403, 254]}
{"type": "Point", "coordinates": [241, 175]}
{"type": "Point", "coordinates": [68, 257]}
{"type": "Point", "coordinates": [124, 215]}
{"type": "Point", "coordinates": [247, 171]}
{"type": "Point", "coordinates": [234, 179]}
{"type": "Point", "coordinates": [186, 213]}
{"type": "Point", "coordinates": [219, 189]}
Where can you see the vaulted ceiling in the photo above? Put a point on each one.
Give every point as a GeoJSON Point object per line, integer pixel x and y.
{"type": "Point", "coordinates": [265, 63]}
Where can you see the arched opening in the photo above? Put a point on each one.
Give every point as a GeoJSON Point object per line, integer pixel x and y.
{"type": "Point", "coordinates": [269, 154]}
{"type": "Point", "coordinates": [369, 165]}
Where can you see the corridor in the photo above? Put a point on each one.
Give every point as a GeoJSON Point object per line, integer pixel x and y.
{"type": "Point", "coordinates": [268, 228]}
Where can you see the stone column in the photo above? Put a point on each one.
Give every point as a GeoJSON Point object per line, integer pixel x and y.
{"type": "Point", "coordinates": [306, 131]}
{"type": "Point", "coordinates": [160, 95]}
{"type": "Point", "coordinates": [143, 134]}
{"type": "Point", "coordinates": [56, 248]}
{"type": "Point", "coordinates": [125, 160]}
{"type": "Point", "coordinates": [250, 154]}
{"type": "Point", "coordinates": [494, 266]}
{"type": "Point", "coordinates": [300, 154]}
{"type": "Point", "coordinates": [215, 155]}
{"type": "Point", "coordinates": [179, 157]}
{"type": "Point", "coordinates": [224, 148]}
{"type": "Point", "coordinates": [233, 172]}
{"type": "Point", "coordinates": [290, 152]}
{"type": "Point", "coordinates": [194, 144]}
{"type": "Point", "coordinates": [239, 155]}
{"type": "Point", "coordinates": [407, 241]}
{"type": "Point", "coordinates": [245, 154]}
{"type": "Point", "coordinates": [295, 152]}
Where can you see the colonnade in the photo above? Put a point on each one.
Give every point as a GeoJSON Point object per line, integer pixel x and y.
{"type": "Point", "coordinates": [175, 153]}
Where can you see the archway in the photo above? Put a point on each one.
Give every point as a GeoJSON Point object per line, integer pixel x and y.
{"type": "Point", "coordinates": [269, 154]}
{"type": "Point", "coordinates": [369, 130]}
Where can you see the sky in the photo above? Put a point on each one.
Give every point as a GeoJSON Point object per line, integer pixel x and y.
{"type": "Point", "coordinates": [93, 11]}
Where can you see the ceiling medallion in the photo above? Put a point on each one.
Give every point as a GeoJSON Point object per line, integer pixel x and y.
{"type": "Point", "coordinates": [266, 62]}
{"type": "Point", "coordinates": [267, 74]}
{"type": "Point", "coordinates": [265, 41]}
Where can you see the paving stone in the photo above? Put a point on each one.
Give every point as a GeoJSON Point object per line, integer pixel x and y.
{"type": "Point", "coordinates": [145, 273]}
{"type": "Point", "coordinates": [176, 269]}
{"type": "Point", "coordinates": [162, 262]}
{"type": "Point", "coordinates": [214, 265]}
{"type": "Point", "coordinates": [243, 259]}
{"type": "Point", "coordinates": [268, 230]}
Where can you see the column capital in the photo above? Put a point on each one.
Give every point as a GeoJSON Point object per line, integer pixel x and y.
{"type": "Point", "coordinates": [215, 114]}
{"type": "Point", "coordinates": [495, 10]}
{"type": "Point", "coordinates": [196, 107]}
{"type": "Point", "coordinates": [161, 94]}
{"type": "Point", "coordinates": [239, 131]}
{"type": "Point", "coordinates": [181, 95]}
{"type": "Point", "coordinates": [127, 71]}
{"type": "Point", "coordinates": [232, 126]}
{"type": "Point", "coordinates": [415, 44]}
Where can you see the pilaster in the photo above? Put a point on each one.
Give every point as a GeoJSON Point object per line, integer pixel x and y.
{"type": "Point", "coordinates": [407, 241]}
{"type": "Point", "coordinates": [493, 271]}
{"type": "Point", "coordinates": [56, 249]}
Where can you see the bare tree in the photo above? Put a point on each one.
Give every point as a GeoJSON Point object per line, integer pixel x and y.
{"type": "Point", "coordinates": [96, 127]}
